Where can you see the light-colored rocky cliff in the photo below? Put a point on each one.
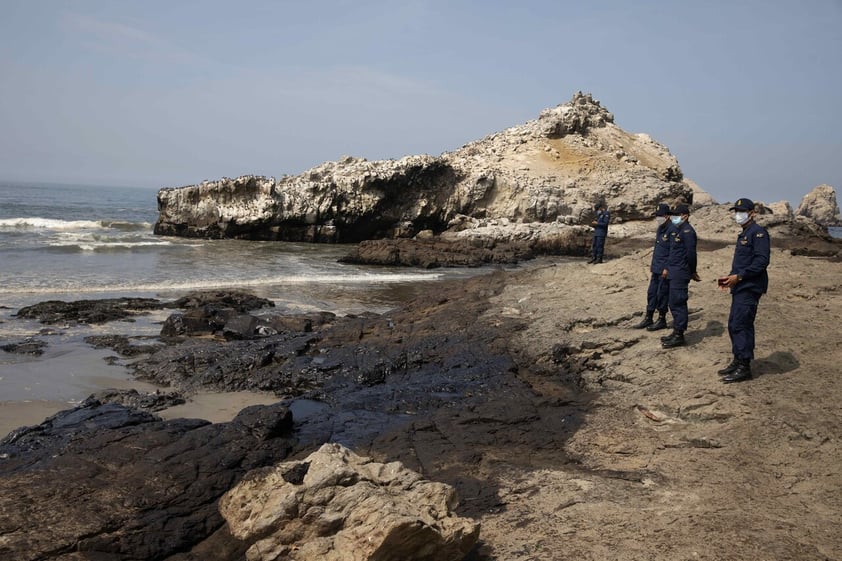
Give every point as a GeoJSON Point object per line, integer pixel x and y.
{"type": "Point", "coordinates": [550, 171]}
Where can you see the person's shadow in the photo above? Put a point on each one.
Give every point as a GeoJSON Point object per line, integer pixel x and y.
{"type": "Point", "coordinates": [712, 329]}
{"type": "Point", "coordinates": [779, 362]}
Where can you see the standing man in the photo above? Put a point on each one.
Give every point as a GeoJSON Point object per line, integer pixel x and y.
{"type": "Point", "coordinates": [748, 281]}
{"type": "Point", "coordinates": [680, 269]}
{"type": "Point", "coordinates": [600, 232]}
{"type": "Point", "coordinates": [657, 295]}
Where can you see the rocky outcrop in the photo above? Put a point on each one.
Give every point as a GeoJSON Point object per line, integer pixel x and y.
{"type": "Point", "coordinates": [89, 311]}
{"type": "Point", "coordinates": [820, 205]}
{"type": "Point", "coordinates": [103, 481]}
{"type": "Point", "coordinates": [549, 171]}
{"type": "Point", "coordinates": [335, 506]}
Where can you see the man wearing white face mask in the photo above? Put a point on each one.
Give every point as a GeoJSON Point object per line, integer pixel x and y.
{"type": "Point", "coordinates": [680, 270]}
{"type": "Point", "coordinates": [748, 281]}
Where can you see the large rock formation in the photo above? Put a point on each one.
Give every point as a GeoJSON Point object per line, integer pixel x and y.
{"type": "Point", "coordinates": [337, 506]}
{"type": "Point", "coordinates": [549, 171]}
{"type": "Point", "coordinates": [820, 205]}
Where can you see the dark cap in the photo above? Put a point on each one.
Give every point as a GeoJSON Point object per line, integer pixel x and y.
{"type": "Point", "coordinates": [743, 204]}
{"type": "Point", "coordinates": [681, 208]}
{"type": "Point", "coordinates": [663, 210]}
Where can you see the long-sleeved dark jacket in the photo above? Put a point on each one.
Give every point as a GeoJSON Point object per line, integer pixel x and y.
{"type": "Point", "coordinates": [751, 258]}
{"type": "Point", "coordinates": [662, 248]}
{"type": "Point", "coordinates": [681, 262]}
{"type": "Point", "coordinates": [603, 217]}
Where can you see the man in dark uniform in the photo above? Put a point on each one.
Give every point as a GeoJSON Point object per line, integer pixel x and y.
{"type": "Point", "coordinates": [680, 269]}
{"type": "Point", "coordinates": [748, 281]}
{"type": "Point", "coordinates": [600, 232]}
{"type": "Point", "coordinates": [657, 295]}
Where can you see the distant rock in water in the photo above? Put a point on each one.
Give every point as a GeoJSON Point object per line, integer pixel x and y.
{"type": "Point", "coordinates": [549, 171]}
{"type": "Point", "coordinates": [820, 205]}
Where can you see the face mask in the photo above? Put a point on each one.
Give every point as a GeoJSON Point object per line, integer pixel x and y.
{"type": "Point", "coordinates": [676, 220]}
{"type": "Point", "coordinates": [660, 220]}
{"type": "Point", "coordinates": [741, 217]}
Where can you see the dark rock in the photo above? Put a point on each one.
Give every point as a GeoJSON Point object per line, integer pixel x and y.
{"type": "Point", "coordinates": [32, 347]}
{"type": "Point", "coordinates": [89, 311]}
{"type": "Point", "coordinates": [299, 323]}
{"type": "Point", "coordinates": [134, 399]}
{"type": "Point", "coordinates": [108, 482]}
{"type": "Point", "coordinates": [125, 346]}
{"type": "Point", "coordinates": [226, 365]}
{"type": "Point", "coordinates": [240, 327]}
{"type": "Point", "coordinates": [207, 313]}
{"type": "Point", "coordinates": [295, 474]}
{"type": "Point", "coordinates": [436, 252]}
{"type": "Point", "coordinates": [219, 299]}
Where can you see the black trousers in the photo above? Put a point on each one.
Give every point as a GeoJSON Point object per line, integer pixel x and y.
{"type": "Point", "coordinates": [678, 295]}
{"type": "Point", "coordinates": [741, 323]}
{"type": "Point", "coordinates": [598, 247]}
{"type": "Point", "coordinates": [658, 294]}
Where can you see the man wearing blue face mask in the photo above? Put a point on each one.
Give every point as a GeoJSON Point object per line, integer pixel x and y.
{"type": "Point", "coordinates": [680, 270]}
{"type": "Point", "coordinates": [748, 281]}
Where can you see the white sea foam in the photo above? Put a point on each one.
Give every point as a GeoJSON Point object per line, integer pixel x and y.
{"type": "Point", "coordinates": [35, 223]}
{"type": "Point", "coordinates": [105, 245]}
{"type": "Point", "coordinates": [285, 280]}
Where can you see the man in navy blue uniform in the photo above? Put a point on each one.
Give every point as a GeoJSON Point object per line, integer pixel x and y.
{"type": "Point", "coordinates": [657, 295]}
{"type": "Point", "coordinates": [680, 269]}
{"type": "Point", "coordinates": [748, 281]}
{"type": "Point", "coordinates": [600, 232]}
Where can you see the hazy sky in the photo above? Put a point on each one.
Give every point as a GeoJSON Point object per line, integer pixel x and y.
{"type": "Point", "coordinates": [153, 93]}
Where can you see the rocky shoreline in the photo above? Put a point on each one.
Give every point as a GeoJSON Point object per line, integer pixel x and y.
{"type": "Point", "coordinates": [563, 431]}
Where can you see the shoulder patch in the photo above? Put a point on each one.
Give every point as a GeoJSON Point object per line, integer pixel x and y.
{"type": "Point", "coordinates": [759, 235]}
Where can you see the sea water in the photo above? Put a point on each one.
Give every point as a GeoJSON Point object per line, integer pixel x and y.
{"type": "Point", "coordinates": [77, 242]}
{"type": "Point", "coordinates": [70, 242]}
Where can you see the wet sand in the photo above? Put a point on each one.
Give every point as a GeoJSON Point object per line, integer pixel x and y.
{"type": "Point", "coordinates": [34, 388]}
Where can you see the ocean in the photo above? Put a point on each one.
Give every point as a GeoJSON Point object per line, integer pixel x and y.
{"type": "Point", "coordinates": [77, 242]}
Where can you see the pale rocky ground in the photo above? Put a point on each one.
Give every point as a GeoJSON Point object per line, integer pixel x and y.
{"type": "Point", "coordinates": [674, 464]}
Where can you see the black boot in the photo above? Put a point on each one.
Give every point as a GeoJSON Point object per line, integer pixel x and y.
{"type": "Point", "coordinates": [599, 260]}
{"type": "Point", "coordinates": [668, 337]}
{"type": "Point", "coordinates": [645, 322]}
{"type": "Point", "coordinates": [742, 373]}
{"type": "Point", "coordinates": [677, 340]}
{"type": "Point", "coordinates": [593, 260]}
{"type": "Point", "coordinates": [730, 368]}
{"type": "Point", "coordinates": [660, 324]}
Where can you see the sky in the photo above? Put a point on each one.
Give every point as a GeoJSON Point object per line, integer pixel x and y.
{"type": "Point", "coordinates": [746, 94]}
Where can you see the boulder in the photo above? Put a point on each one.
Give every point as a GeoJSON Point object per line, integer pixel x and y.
{"type": "Point", "coordinates": [820, 205]}
{"type": "Point", "coordinates": [211, 312]}
{"type": "Point", "coordinates": [338, 506]}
